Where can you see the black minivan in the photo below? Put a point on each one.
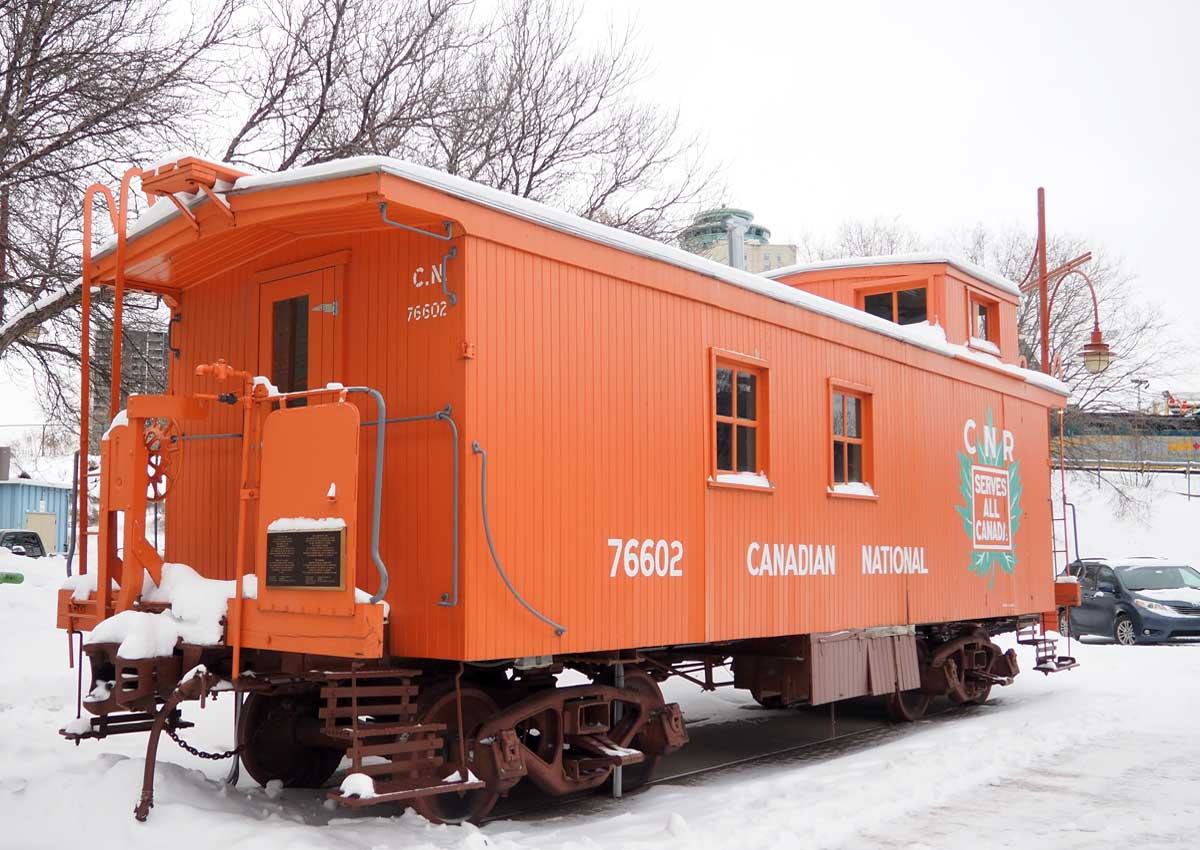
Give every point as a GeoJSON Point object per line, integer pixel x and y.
{"type": "Point", "coordinates": [1134, 600]}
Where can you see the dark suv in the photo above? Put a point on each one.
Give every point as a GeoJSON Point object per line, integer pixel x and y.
{"type": "Point", "coordinates": [22, 542]}
{"type": "Point", "coordinates": [1134, 600]}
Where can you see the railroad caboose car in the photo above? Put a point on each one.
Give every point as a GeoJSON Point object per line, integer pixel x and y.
{"type": "Point", "coordinates": [425, 444]}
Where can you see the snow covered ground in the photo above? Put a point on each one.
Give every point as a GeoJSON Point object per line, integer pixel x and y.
{"type": "Point", "coordinates": [1100, 756]}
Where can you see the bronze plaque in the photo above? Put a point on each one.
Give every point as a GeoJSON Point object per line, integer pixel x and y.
{"type": "Point", "coordinates": [311, 560]}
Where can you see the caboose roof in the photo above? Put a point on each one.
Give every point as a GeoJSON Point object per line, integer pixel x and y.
{"type": "Point", "coordinates": [163, 213]}
{"type": "Point", "coordinates": [923, 258]}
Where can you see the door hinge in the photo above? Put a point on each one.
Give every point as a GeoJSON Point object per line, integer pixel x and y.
{"type": "Point", "coordinates": [331, 308]}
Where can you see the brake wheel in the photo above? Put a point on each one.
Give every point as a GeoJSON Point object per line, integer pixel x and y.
{"type": "Point", "coordinates": [163, 439]}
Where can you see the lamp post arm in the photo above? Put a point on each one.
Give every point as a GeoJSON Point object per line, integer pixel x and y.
{"type": "Point", "coordinates": [1091, 288]}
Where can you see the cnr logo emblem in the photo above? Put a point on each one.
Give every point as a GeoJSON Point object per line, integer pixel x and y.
{"type": "Point", "coordinates": [990, 483]}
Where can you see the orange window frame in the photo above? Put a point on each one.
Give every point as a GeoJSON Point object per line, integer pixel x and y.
{"type": "Point", "coordinates": [739, 363]}
{"type": "Point", "coordinates": [974, 300]}
{"type": "Point", "coordinates": [894, 289]}
{"type": "Point", "coordinates": [866, 428]}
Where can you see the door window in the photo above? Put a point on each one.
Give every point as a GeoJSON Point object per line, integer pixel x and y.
{"type": "Point", "coordinates": [1087, 577]}
{"type": "Point", "coordinates": [289, 344]}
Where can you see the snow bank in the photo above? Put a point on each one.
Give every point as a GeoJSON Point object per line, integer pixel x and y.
{"type": "Point", "coordinates": [1158, 519]}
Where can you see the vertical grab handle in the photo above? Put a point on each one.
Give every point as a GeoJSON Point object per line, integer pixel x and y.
{"type": "Point", "coordinates": [381, 407]}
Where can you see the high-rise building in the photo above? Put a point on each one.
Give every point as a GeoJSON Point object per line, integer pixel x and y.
{"type": "Point", "coordinates": [713, 232]}
{"type": "Point", "coordinates": [143, 370]}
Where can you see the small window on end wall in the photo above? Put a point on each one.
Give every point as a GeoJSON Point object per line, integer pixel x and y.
{"type": "Point", "coordinates": [851, 449]}
{"type": "Point", "coordinates": [739, 422]}
{"type": "Point", "coordinates": [983, 315]}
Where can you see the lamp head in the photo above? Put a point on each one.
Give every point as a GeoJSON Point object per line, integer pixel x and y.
{"type": "Point", "coordinates": [1096, 354]}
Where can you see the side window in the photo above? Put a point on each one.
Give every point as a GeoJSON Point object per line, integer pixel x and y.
{"type": "Point", "coordinates": [1105, 576]}
{"type": "Point", "coordinates": [850, 436]}
{"type": "Point", "coordinates": [1087, 577]}
{"type": "Point", "coordinates": [984, 317]}
{"type": "Point", "coordinates": [902, 306]}
{"type": "Point", "coordinates": [739, 418]}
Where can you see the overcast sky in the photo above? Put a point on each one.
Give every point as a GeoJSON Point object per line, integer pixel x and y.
{"type": "Point", "coordinates": [945, 114]}
{"type": "Point", "coordinates": [951, 114]}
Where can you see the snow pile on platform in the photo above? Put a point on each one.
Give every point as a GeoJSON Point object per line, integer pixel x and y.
{"type": "Point", "coordinates": [139, 634]}
{"type": "Point", "coordinates": [198, 605]}
{"type": "Point", "coordinates": [358, 785]}
{"type": "Point", "coordinates": [82, 587]}
{"type": "Point", "coordinates": [303, 523]}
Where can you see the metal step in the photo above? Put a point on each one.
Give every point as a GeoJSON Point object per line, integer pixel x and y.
{"type": "Point", "coordinates": [390, 792]}
{"type": "Point", "coordinates": [124, 724]}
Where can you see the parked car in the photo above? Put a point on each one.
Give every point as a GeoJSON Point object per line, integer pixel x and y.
{"type": "Point", "coordinates": [1134, 600]}
{"type": "Point", "coordinates": [21, 541]}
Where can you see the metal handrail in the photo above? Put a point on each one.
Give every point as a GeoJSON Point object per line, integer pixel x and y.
{"type": "Point", "coordinates": [558, 630]}
{"type": "Point", "coordinates": [448, 600]}
{"type": "Point", "coordinates": [381, 406]}
{"type": "Point", "coordinates": [450, 255]}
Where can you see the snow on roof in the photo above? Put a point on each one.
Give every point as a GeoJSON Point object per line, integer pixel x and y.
{"type": "Point", "coordinates": [978, 272]}
{"type": "Point", "coordinates": [33, 482]}
{"type": "Point", "coordinates": [574, 225]}
{"type": "Point", "coordinates": [1137, 561]}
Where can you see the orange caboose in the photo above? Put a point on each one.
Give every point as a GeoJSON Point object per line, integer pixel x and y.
{"type": "Point", "coordinates": [426, 443]}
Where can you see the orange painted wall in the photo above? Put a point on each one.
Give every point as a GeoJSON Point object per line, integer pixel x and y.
{"type": "Point", "coordinates": [416, 365]}
{"type": "Point", "coordinates": [589, 389]}
{"type": "Point", "coordinates": [591, 396]}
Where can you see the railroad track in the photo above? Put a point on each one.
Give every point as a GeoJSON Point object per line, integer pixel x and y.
{"type": "Point", "coordinates": [824, 748]}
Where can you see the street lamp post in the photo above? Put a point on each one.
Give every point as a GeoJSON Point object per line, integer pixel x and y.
{"type": "Point", "coordinates": [1096, 354]}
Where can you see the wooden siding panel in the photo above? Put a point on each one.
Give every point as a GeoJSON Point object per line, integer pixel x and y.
{"type": "Point", "coordinates": [612, 441]}
{"type": "Point", "coordinates": [589, 390]}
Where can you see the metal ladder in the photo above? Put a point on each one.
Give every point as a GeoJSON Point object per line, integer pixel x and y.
{"type": "Point", "coordinates": [1045, 649]}
{"type": "Point", "coordinates": [1069, 532]}
{"type": "Point", "coordinates": [405, 755]}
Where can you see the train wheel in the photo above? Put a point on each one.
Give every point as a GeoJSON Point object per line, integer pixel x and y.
{"type": "Point", "coordinates": [272, 732]}
{"type": "Point", "coordinates": [636, 775]}
{"type": "Point", "coordinates": [774, 701]}
{"type": "Point", "coordinates": [440, 705]}
{"type": "Point", "coordinates": [980, 695]}
{"type": "Point", "coordinates": [907, 706]}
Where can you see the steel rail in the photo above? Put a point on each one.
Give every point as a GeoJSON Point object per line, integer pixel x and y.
{"type": "Point", "coordinates": [881, 731]}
